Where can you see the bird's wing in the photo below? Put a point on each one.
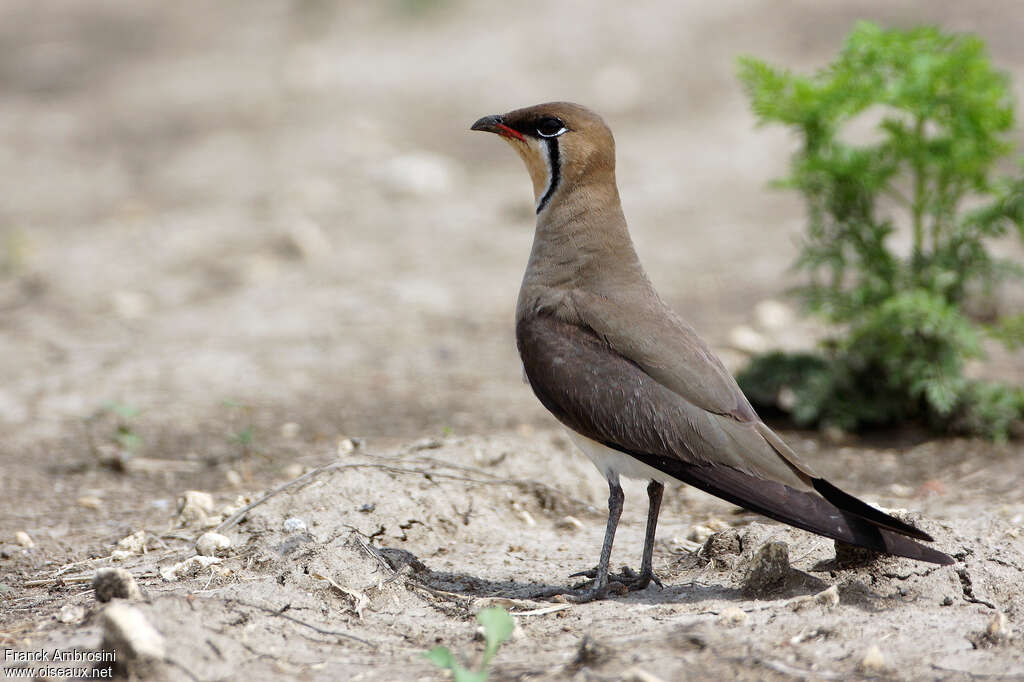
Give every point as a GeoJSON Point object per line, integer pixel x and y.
{"type": "Point", "coordinates": [668, 350]}
{"type": "Point", "coordinates": [609, 398]}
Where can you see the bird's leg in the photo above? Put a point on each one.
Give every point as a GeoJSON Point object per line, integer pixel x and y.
{"type": "Point", "coordinates": [600, 578]}
{"type": "Point", "coordinates": [628, 578]}
{"type": "Point", "coordinates": [654, 493]}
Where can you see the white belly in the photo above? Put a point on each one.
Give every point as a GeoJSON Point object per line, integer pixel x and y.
{"type": "Point", "coordinates": [612, 463]}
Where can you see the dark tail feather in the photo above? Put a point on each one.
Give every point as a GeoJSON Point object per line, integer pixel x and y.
{"type": "Point", "coordinates": [848, 502]}
{"type": "Point", "coordinates": [834, 514]}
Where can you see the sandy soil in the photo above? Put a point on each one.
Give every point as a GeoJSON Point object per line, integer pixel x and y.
{"type": "Point", "coordinates": [234, 237]}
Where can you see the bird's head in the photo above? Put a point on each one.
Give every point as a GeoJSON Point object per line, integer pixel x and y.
{"type": "Point", "coordinates": [563, 145]}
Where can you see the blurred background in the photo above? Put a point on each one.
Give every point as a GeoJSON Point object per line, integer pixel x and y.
{"type": "Point", "coordinates": [268, 219]}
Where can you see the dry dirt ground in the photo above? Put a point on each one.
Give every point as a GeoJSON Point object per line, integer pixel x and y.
{"type": "Point", "coordinates": [247, 240]}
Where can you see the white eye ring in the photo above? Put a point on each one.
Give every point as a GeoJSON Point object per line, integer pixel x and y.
{"type": "Point", "coordinates": [561, 130]}
{"type": "Point", "coordinates": [558, 132]}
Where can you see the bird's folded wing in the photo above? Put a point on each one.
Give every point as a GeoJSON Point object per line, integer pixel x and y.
{"type": "Point", "coordinates": [609, 398]}
{"type": "Point", "coordinates": [648, 333]}
{"type": "Point", "coordinates": [669, 351]}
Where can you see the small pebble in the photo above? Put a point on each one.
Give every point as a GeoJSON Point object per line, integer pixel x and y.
{"type": "Point", "coordinates": [136, 642]}
{"type": "Point", "coordinates": [89, 502]}
{"type": "Point", "coordinates": [526, 517]}
{"type": "Point", "coordinates": [828, 598]}
{"type": "Point", "coordinates": [873, 661]}
{"type": "Point", "coordinates": [289, 430]}
{"type": "Point", "coordinates": [194, 508]}
{"type": "Point", "coordinates": [293, 470]}
{"type": "Point", "coordinates": [187, 568]}
{"type": "Point", "coordinates": [24, 539]}
{"type": "Point", "coordinates": [234, 478]}
{"type": "Point", "coordinates": [768, 570]}
{"type": "Point", "coordinates": [294, 525]}
{"type": "Point", "coordinates": [121, 555]}
{"type": "Point", "coordinates": [115, 583]}
{"type": "Point", "coordinates": [569, 523]}
{"type": "Point", "coordinates": [134, 543]}
{"type": "Point", "coordinates": [71, 614]}
{"type": "Point", "coordinates": [345, 446]}
{"type": "Point", "coordinates": [212, 544]}
{"type": "Point", "coordinates": [997, 633]}
{"type": "Point", "coordinates": [733, 616]}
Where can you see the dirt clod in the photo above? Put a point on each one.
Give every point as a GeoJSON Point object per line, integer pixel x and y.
{"type": "Point", "coordinates": [115, 583]}
{"type": "Point", "coordinates": [128, 632]}
{"type": "Point", "coordinates": [733, 616]}
{"type": "Point", "coordinates": [998, 632]}
{"type": "Point", "coordinates": [212, 544]}
{"type": "Point", "coordinates": [767, 571]}
{"type": "Point", "coordinates": [873, 661]}
{"type": "Point", "coordinates": [194, 508]}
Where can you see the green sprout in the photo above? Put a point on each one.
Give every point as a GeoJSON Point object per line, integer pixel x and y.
{"type": "Point", "coordinates": [498, 626]}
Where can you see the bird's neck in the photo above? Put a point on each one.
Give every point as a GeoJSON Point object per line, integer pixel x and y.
{"type": "Point", "coordinates": [582, 242]}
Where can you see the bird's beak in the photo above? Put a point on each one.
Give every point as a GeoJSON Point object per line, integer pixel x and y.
{"type": "Point", "coordinates": [494, 124]}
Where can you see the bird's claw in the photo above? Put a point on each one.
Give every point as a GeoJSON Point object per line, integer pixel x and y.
{"type": "Point", "coordinates": [629, 580]}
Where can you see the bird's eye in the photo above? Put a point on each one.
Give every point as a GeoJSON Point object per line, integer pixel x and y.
{"type": "Point", "coordinates": [550, 127]}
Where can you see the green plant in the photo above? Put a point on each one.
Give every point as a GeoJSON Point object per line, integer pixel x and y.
{"type": "Point", "coordinates": [498, 626]}
{"type": "Point", "coordinates": [124, 433]}
{"type": "Point", "coordinates": [943, 118]}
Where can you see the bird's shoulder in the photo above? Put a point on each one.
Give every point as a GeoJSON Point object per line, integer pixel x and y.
{"type": "Point", "coordinates": [648, 333]}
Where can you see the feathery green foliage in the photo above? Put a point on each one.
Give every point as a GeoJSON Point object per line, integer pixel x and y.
{"type": "Point", "coordinates": [942, 118]}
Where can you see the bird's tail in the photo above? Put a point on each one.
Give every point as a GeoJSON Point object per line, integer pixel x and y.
{"type": "Point", "coordinates": [832, 513]}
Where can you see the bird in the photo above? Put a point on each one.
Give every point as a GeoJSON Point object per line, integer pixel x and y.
{"type": "Point", "coordinates": [641, 394]}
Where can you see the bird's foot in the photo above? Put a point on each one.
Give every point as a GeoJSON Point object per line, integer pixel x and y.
{"type": "Point", "coordinates": [629, 579]}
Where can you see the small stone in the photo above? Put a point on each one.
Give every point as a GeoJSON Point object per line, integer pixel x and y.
{"type": "Point", "coordinates": [212, 544]}
{"type": "Point", "coordinates": [121, 555]}
{"type": "Point", "coordinates": [873, 661]}
{"type": "Point", "coordinates": [294, 525]}
{"type": "Point", "coordinates": [997, 633]}
{"type": "Point", "coordinates": [345, 446]}
{"type": "Point", "coordinates": [733, 616]}
{"type": "Point", "coordinates": [699, 533]}
{"type": "Point", "coordinates": [722, 548]}
{"type": "Point", "coordinates": [526, 517]}
{"type": "Point", "coordinates": [136, 643]}
{"type": "Point", "coordinates": [134, 543]}
{"type": "Point", "coordinates": [570, 523]}
{"type": "Point", "coordinates": [71, 614]}
{"type": "Point", "coordinates": [293, 471]}
{"type": "Point", "coordinates": [289, 430]}
{"type": "Point", "coordinates": [828, 598]}
{"type": "Point", "coordinates": [115, 583]}
{"type": "Point", "coordinates": [24, 539]}
{"type": "Point", "coordinates": [188, 568]}
{"type": "Point", "coordinates": [768, 570]}
{"type": "Point", "coordinates": [234, 478]}
{"type": "Point", "coordinates": [194, 508]}
{"type": "Point", "coordinates": [89, 502]}
{"type": "Point", "coordinates": [426, 444]}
